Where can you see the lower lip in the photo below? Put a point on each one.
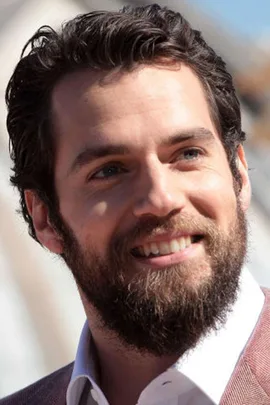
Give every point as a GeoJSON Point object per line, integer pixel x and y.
{"type": "Point", "coordinates": [173, 258]}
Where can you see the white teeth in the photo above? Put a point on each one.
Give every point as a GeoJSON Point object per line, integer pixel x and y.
{"type": "Point", "coordinates": [182, 243]}
{"type": "Point", "coordinates": [146, 249]}
{"type": "Point", "coordinates": [188, 241]}
{"type": "Point", "coordinates": [175, 246]}
{"type": "Point", "coordinates": [154, 248]}
{"type": "Point", "coordinates": [165, 248]}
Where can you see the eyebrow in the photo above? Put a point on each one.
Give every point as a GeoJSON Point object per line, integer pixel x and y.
{"type": "Point", "coordinates": [202, 134]}
{"type": "Point", "coordinates": [91, 153]}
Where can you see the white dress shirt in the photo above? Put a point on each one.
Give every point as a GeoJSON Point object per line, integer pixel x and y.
{"type": "Point", "coordinates": [199, 377]}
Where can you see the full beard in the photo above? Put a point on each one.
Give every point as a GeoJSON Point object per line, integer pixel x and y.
{"type": "Point", "coordinates": [164, 311]}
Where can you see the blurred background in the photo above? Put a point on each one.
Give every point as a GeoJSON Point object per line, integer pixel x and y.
{"type": "Point", "coordinates": [40, 313]}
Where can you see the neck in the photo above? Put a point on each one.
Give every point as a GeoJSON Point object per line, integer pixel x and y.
{"type": "Point", "coordinates": [124, 372]}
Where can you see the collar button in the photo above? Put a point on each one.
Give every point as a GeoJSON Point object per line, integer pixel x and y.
{"type": "Point", "coordinates": [95, 395]}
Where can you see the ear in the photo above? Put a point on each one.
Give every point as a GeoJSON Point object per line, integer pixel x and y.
{"type": "Point", "coordinates": [245, 192]}
{"type": "Point", "coordinates": [45, 232]}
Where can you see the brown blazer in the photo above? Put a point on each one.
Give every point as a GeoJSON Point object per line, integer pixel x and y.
{"type": "Point", "coordinates": [249, 384]}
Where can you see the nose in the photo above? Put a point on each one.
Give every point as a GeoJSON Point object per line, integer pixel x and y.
{"type": "Point", "coordinates": [157, 192]}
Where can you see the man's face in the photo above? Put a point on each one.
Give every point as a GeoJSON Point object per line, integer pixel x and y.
{"type": "Point", "coordinates": [154, 233]}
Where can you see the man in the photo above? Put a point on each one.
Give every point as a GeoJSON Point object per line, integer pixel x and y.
{"type": "Point", "coordinates": [126, 140]}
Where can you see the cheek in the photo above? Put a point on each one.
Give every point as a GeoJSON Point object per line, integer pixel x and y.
{"type": "Point", "coordinates": [93, 218]}
{"type": "Point", "coordinates": [99, 211]}
{"type": "Point", "coordinates": [215, 197]}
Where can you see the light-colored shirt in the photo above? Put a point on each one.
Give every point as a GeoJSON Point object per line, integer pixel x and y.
{"type": "Point", "coordinates": [199, 377]}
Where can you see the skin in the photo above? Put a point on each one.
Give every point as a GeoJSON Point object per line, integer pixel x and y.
{"type": "Point", "coordinates": [141, 110]}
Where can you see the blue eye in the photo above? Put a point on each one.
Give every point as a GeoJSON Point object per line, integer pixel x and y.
{"type": "Point", "coordinates": [108, 171]}
{"type": "Point", "coordinates": [191, 153]}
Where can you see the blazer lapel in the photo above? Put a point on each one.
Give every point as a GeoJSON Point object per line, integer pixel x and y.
{"type": "Point", "coordinates": [244, 389]}
{"type": "Point", "coordinates": [58, 388]}
{"type": "Point", "coordinates": [54, 391]}
{"type": "Point", "coordinates": [250, 382]}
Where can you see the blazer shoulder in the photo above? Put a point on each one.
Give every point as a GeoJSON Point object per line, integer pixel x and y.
{"type": "Point", "coordinates": [50, 390]}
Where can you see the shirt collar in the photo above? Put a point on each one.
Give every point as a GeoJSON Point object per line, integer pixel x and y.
{"type": "Point", "coordinates": [221, 349]}
{"type": "Point", "coordinates": [198, 368]}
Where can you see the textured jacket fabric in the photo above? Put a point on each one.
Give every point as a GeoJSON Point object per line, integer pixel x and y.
{"type": "Point", "coordinates": [50, 390]}
{"type": "Point", "coordinates": [249, 384]}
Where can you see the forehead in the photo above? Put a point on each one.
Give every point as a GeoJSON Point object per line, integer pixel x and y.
{"type": "Point", "coordinates": [96, 90]}
{"type": "Point", "coordinates": [146, 104]}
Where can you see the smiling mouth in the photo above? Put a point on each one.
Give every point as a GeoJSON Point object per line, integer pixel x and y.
{"type": "Point", "coordinates": [164, 248]}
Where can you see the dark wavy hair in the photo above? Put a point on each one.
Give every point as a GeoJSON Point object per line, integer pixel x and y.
{"type": "Point", "coordinates": [106, 41]}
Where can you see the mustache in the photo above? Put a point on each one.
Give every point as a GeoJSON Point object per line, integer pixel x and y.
{"type": "Point", "coordinates": [153, 226]}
